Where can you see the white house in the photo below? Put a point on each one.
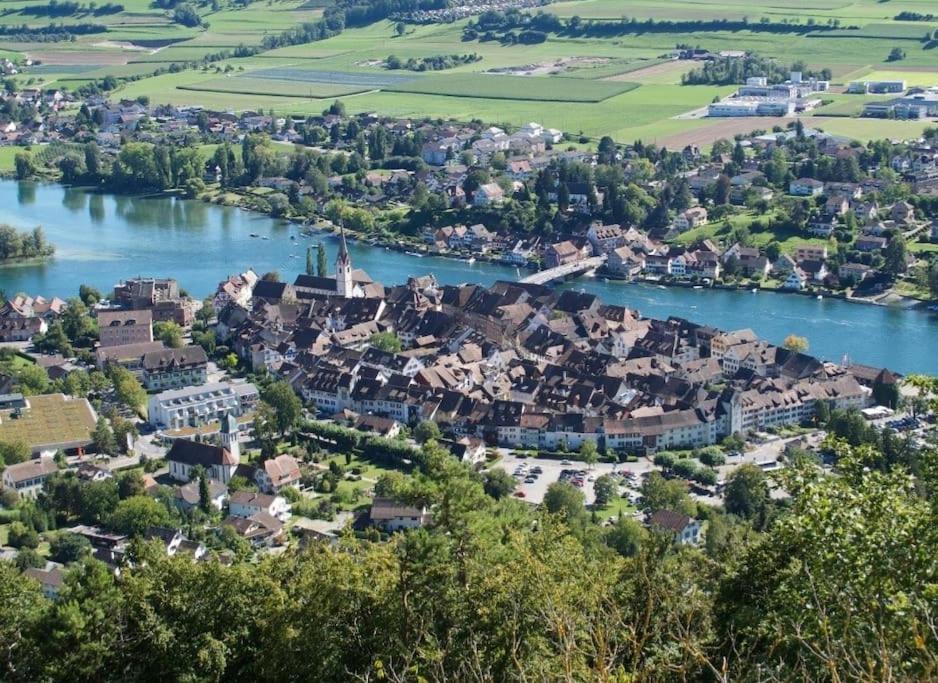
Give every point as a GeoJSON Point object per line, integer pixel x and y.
{"type": "Point", "coordinates": [686, 531]}
{"type": "Point", "coordinates": [390, 515]}
{"type": "Point", "coordinates": [246, 504]}
{"type": "Point", "coordinates": [27, 478]}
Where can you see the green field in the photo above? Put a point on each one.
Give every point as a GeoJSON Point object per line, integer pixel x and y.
{"type": "Point", "coordinates": [590, 82]}
{"type": "Point", "coordinates": [270, 86]}
{"type": "Point", "coordinates": [489, 86]}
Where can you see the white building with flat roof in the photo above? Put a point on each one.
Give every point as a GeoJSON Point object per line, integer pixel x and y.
{"type": "Point", "coordinates": [194, 406]}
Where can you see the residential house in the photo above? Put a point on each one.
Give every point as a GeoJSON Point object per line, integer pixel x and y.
{"type": "Point", "coordinates": [249, 503]}
{"type": "Point", "coordinates": [117, 328]}
{"type": "Point", "coordinates": [27, 478]}
{"type": "Point", "coordinates": [194, 406]}
{"type": "Point", "coordinates": [561, 254]}
{"type": "Point", "coordinates": [390, 515]}
{"type": "Point", "coordinates": [625, 263]}
{"type": "Point", "coordinates": [260, 529]}
{"type": "Point", "coordinates": [50, 580]}
{"type": "Point", "coordinates": [692, 218]}
{"type": "Point", "coordinates": [188, 497]}
{"type": "Point", "coordinates": [274, 474]}
{"type": "Point", "coordinates": [806, 187]}
{"type": "Point", "coordinates": [686, 531]}
{"type": "Point", "coordinates": [489, 194]}
{"type": "Point", "coordinates": [174, 368]}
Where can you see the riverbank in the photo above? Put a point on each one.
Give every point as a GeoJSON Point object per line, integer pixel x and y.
{"type": "Point", "coordinates": [103, 239]}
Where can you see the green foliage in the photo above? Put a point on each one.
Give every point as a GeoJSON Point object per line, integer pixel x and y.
{"type": "Point", "coordinates": [68, 547]}
{"type": "Point", "coordinates": [498, 483]}
{"type": "Point", "coordinates": [747, 492]}
{"type": "Point", "coordinates": [386, 341]}
{"type": "Point", "coordinates": [565, 500]}
{"type": "Point", "coordinates": [169, 333]}
{"type": "Point", "coordinates": [606, 488]}
{"type": "Point", "coordinates": [21, 536]}
{"type": "Point", "coordinates": [426, 430]}
{"type": "Point", "coordinates": [285, 403]}
{"type": "Point", "coordinates": [136, 514]}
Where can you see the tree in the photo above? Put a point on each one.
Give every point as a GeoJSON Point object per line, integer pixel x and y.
{"type": "Point", "coordinates": [25, 168]}
{"type": "Point", "coordinates": [588, 453]}
{"type": "Point", "coordinates": [21, 536]}
{"type": "Point", "coordinates": [13, 452]}
{"type": "Point", "coordinates": [89, 295]}
{"type": "Point", "coordinates": [426, 431]}
{"type": "Point", "coordinates": [498, 483]}
{"type": "Point", "coordinates": [895, 256]}
{"type": "Point", "coordinates": [205, 498]}
{"type": "Point", "coordinates": [28, 558]}
{"type": "Point", "coordinates": [606, 489]}
{"type": "Point", "coordinates": [795, 343]}
{"type": "Point", "coordinates": [400, 28]}
{"type": "Point", "coordinates": [747, 492]}
{"type": "Point", "coordinates": [286, 405]}
{"type": "Point", "coordinates": [103, 438]}
{"type": "Point", "coordinates": [322, 268]}
{"type": "Point", "coordinates": [169, 333]}
{"type": "Point", "coordinates": [130, 484]}
{"type": "Point", "coordinates": [136, 514]}
{"type": "Point", "coordinates": [386, 341]}
{"type": "Point", "coordinates": [564, 499]}
{"type": "Point", "coordinates": [659, 493]}
{"type": "Point", "coordinates": [626, 537]}
{"type": "Point", "coordinates": [68, 547]}
{"type": "Point", "coordinates": [127, 387]}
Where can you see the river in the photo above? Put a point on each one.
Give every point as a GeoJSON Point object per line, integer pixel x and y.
{"type": "Point", "coordinates": [101, 239]}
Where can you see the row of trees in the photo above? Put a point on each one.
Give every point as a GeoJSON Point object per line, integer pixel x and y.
{"type": "Point", "coordinates": [22, 245]}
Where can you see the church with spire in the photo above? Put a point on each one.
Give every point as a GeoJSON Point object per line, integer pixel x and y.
{"type": "Point", "coordinates": [348, 282]}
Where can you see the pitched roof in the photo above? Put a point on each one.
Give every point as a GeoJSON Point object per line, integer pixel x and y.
{"type": "Point", "coordinates": [197, 453]}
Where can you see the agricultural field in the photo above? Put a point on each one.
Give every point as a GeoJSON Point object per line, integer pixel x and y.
{"type": "Point", "coordinates": [496, 87]}
{"type": "Point", "coordinates": [623, 85]}
{"type": "Point", "coordinates": [270, 86]}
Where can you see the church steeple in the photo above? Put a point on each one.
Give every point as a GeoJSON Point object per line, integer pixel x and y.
{"type": "Point", "coordinates": [343, 268]}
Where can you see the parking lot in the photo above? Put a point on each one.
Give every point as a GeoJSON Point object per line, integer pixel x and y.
{"type": "Point", "coordinates": [551, 471]}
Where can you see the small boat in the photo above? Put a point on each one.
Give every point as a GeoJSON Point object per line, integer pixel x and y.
{"type": "Point", "coordinates": [293, 256]}
{"type": "Point", "coordinates": [292, 237]}
{"type": "Point", "coordinates": [471, 260]}
{"type": "Point", "coordinates": [698, 286]}
{"type": "Point", "coordinates": [661, 287]}
{"type": "Point", "coordinates": [819, 297]}
{"type": "Point", "coordinates": [265, 237]}
{"type": "Point", "coordinates": [413, 253]}
{"type": "Point", "coordinates": [254, 234]}
{"type": "Point", "coordinates": [755, 290]}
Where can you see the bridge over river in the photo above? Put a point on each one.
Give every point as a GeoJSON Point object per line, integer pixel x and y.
{"type": "Point", "coordinates": [542, 277]}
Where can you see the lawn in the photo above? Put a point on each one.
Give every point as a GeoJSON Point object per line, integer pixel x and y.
{"type": "Point", "coordinates": [923, 247]}
{"type": "Point", "coordinates": [789, 240]}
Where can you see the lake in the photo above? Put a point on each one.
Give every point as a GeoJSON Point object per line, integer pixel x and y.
{"type": "Point", "coordinates": [101, 239]}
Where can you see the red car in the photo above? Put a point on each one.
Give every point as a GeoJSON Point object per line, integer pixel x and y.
{"type": "Point", "coordinates": [520, 494]}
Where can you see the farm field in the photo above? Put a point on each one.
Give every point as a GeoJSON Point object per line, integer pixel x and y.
{"type": "Point", "coordinates": [621, 85]}
{"type": "Point", "coordinates": [490, 86]}
{"type": "Point", "coordinates": [270, 86]}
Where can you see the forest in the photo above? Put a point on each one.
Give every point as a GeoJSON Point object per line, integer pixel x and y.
{"type": "Point", "coordinates": [836, 584]}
